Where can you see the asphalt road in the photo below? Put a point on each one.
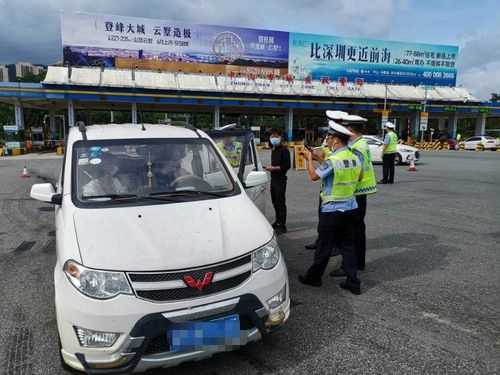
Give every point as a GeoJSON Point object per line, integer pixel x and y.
{"type": "Point", "coordinates": [430, 302]}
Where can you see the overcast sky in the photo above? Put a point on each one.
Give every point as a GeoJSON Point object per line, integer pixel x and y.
{"type": "Point", "coordinates": [29, 29]}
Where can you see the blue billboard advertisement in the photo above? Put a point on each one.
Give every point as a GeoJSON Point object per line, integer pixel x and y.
{"type": "Point", "coordinates": [92, 39]}
{"type": "Point", "coordinates": [351, 59]}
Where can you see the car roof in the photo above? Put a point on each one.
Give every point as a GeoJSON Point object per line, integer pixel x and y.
{"type": "Point", "coordinates": [134, 131]}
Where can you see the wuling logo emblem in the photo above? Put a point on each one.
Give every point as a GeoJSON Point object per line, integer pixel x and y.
{"type": "Point", "coordinates": [199, 284]}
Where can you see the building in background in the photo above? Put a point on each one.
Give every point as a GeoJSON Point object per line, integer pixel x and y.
{"type": "Point", "coordinates": [25, 68]}
{"type": "Point", "coordinates": [21, 69]}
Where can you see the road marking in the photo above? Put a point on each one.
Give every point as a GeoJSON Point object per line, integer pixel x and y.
{"type": "Point", "coordinates": [447, 323]}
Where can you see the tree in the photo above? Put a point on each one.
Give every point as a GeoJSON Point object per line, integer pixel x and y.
{"type": "Point", "coordinates": [495, 97]}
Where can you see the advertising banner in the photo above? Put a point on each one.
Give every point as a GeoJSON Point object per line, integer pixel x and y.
{"type": "Point", "coordinates": [125, 42]}
{"type": "Point", "coordinates": [373, 61]}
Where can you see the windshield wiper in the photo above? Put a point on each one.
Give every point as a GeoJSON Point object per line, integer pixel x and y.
{"type": "Point", "coordinates": [110, 196]}
{"type": "Point", "coordinates": [127, 196]}
{"type": "Point", "coordinates": [188, 192]}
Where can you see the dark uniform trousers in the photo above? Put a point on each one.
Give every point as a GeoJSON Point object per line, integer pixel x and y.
{"type": "Point", "coordinates": [278, 197]}
{"type": "Point", "coordinates": [336, 230]}
{"type": "Point", "coordinates": [388, 168]}
{"type": "Point", "coordinates": [360, 232]}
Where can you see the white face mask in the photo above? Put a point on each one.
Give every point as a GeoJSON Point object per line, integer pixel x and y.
{"type": "Point", "coordinates": [275, 141]}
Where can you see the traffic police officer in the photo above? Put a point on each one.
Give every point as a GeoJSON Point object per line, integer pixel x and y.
{"type": "Point", "coordinates": [367, 185]}
{"type": "Point", "coordinates": [340, 174]}
{"type": "Point", "coordinates": [389, 153]}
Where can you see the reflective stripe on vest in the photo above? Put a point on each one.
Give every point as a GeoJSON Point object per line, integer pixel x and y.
{"type": "Point", "coordinates": [393, 143]}
{"type": "Point", "coordinates": [368, 185]}
{"type": "Point", "coordinates": [233, 155]}
{"type": "Point", "coordinates": [346, 169]}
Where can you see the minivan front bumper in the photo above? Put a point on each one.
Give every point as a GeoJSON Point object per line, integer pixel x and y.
{"type": "Point", "coordinates": [143, 348]}
{"type": "Point", "coordinates": [143, 325]}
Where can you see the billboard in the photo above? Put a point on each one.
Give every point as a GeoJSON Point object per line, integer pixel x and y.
{"type": "Point", "coordinates": [129, 42]}
{"type": "Point", "coordinates": [373, 61]}
{"type": "Point", "coordinates": [126, 42]}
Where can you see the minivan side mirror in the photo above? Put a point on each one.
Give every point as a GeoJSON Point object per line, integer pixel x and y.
{"type": "Point", "coordinates": [45, 193]}
{"type": "Point", "coordinates": [256, 178]}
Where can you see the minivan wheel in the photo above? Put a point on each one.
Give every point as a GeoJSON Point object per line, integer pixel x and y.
{"type": "Point", "coordinates": [64, 365]}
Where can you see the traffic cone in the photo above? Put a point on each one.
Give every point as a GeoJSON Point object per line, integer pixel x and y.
{"type": "Point", "coordinates": [412, 167]}
{"type": "Point", "coordinates": [25, 173]}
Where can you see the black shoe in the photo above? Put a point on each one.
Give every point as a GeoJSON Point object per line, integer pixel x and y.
{"type": "Point", "coordinates": [304, 280]}
{"type": "Point", "coordinates": [275, 225]}
{"type": "Point", "coordinates": [353, 288]}
{"type": "Point", "coordinates": [280, 229]}
{"type": "Point", "coordinates": [361, 268]}
{"type": "Point", "coordinates": [338, 273]}
{"type": "Point", "coordinates": [382, 182]}
{"type": "Point", "coordinates": [311, 246]}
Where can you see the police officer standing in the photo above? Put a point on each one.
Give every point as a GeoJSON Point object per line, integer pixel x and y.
{"type": "Point", "coordinates": [340, 174]}
{"type": "Point", "coordinates": [367, 185]}
{"type": "Point", "coordinates": [280, 164]}
{"type": "Point", "coordinates": [389, 153]}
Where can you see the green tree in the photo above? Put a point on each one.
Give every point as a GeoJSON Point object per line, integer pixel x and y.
{"type": "Point", "coordinates": [495, 97]}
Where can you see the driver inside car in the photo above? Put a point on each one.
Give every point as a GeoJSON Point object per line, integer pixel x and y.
{"type": "Point", "coordinates": [105, 181]}
{"type": "Point", "coordinates": [168, 167]}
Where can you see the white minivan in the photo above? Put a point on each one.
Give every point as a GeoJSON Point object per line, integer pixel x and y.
{"type": "Point", "coordinates": [162, 256]}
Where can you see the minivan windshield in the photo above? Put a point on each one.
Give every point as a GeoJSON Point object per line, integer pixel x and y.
{"type": "Point", "coordinates": [148, 170]}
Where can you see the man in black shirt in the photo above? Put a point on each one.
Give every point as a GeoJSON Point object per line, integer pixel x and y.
{"type": "Point", "coordinates": [280, 164]}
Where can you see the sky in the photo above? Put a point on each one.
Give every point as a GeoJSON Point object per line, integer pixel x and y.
{"type": "Point", "coordinates": [30, 29]}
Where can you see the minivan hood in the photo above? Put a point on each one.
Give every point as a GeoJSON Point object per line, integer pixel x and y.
{"type": "Point", "coordinates": [170, 236]}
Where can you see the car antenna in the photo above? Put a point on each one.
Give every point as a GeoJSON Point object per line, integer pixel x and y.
{"type": "Point", "coordinates": [83, 129]}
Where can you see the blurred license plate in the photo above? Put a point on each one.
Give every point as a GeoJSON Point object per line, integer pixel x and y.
{"type": "Point", "coordinates": [199, 335]}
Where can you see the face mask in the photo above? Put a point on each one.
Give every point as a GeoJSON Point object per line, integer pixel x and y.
{"type": "Point", "coordinates": [275, 141]}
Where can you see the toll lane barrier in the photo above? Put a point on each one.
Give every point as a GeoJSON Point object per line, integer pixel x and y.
{"type": "Point", "coordinates": [433, 146]}
{"type": "Point", "coordinates": [299, 160]}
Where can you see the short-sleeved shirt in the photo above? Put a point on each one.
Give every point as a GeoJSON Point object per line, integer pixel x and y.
{"type": "Point", "coordinates": [327, 174]}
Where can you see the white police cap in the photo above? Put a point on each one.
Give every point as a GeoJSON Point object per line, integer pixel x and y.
{"type": "Point", "coordinates": [334, 128]}
{"type": "Point", "coordinates": [390, 125]}
{"type": "Point", "coordinates": [344, 117]}
{"type": "Point", "coordinates": [336, 115]}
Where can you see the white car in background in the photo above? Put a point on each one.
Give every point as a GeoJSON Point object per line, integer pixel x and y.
{"type": "Point", "coordinates": [404, 152]}
{"type": "Point", "coordinates": [489, 143]}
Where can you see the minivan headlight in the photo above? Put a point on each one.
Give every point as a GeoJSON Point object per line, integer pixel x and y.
{"type": "Point", "coordinates": [267, 256]}
{"type": "Point", "coordinates": [95, 283]}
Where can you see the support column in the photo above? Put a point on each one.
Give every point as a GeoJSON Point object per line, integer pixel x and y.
{"type": "Point", "coordinates": [19, 115]}
{"type": "Point", "coordinates": [71, 114]}
{"type": "Point", "coordinates": [111, 117]}
{"type": "Point", "coordinates": [134, 113]}
{"type": "Point", "coordinates": [216, 117]}
{"type": "Point", "coordinates": [52, 125]}
{"type": "Point", "coordinates": [441, 123]}
{"type": "Point", "coordinates": [480, 124]}
{"type": "Point", "coordinates": [289, 123]}
{"type": "Point", "coordinates": [453, 125]}
{"type": "Point", "coordinates": [415, 125]}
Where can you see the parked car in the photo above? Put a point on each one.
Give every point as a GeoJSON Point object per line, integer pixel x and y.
{"type": "Point", "coordinates": [489, 143]}
{"type": "Point", "coordinates": [162, 256]}
{"type": "Point", "coordinates": [403, 155]}
{"type": "Point", "coordinates": [452, 143]}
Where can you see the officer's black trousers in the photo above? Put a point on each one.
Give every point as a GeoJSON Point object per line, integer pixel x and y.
{"type": "Point", "coordinates": [388, 168]}
{"type": "Point", "coordinates": [336, 229]}
{"type": "Point", "coordinates": [360, 232]}
{"type": "Point", "coordinates": [278, 197]}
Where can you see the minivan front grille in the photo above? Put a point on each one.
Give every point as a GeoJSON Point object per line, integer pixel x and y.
{"type": "Point", "coordinates": [170, 285]}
